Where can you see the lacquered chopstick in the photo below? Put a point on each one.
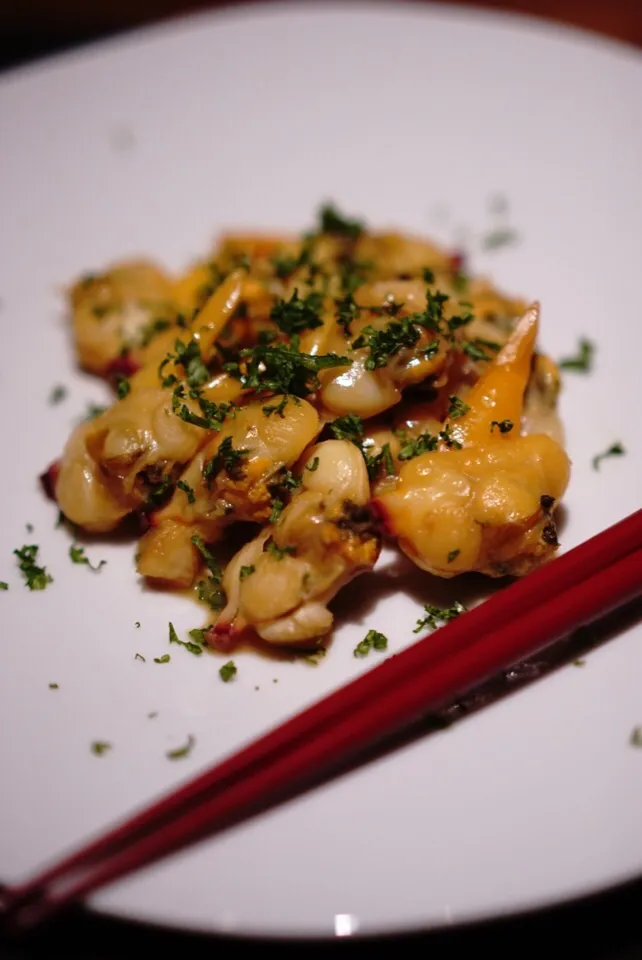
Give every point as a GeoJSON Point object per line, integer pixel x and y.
{"type": "Point", "coordinates": [434, 670]}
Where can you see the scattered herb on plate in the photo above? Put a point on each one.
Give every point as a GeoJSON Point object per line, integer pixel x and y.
{"type": "Point", "coordinates": [227, 671]}
{"type": "Point", "coordinates": [184, 751]}
{"type": "Point", "coordinates": [615, 450]}
{"type": "Point", "coordinates": [77, 555]}
{"type": "Point", "coordinates": [36, 578]}
{"type": "Point", "coordinates": [582, 362]}
{"type": "Point", "coordinates": [373, 640]}
{"type": "Point", "coordinates": [436, 616]}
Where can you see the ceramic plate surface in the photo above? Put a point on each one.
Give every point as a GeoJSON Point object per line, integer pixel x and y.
{"type": "Point", "coordinates": [417, 118]}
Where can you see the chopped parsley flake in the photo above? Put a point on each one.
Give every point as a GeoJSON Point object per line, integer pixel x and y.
{"type": "Point", "coordinates": [210, 591]}
{"type": "Point", "coordinates": [636, 737]}
{"type": "Point", "coordinates": [436, 616]}
{"type": "Point", "coordinates": [504, 426]}
{"type": "Point", "coordinates": [349, 427]}
{"type": "Point", "coordinates": [333, 222]}
{"type": "Point", "coordinates": [373, 640]}
{"type": "Point", "coordinates": [54, 686]}
{"type": "Point", "coordinates": [228, 459]}
{"type": "Point", "coordinates": [296, 314]}
{"type": "Point", "coordinates": [100, 747]}
{"type": "Point", "coordinates": [473, 349]}
{"type": "Point", "coordinates": [77, 555]}
{"type": "Point", "coordinates": [93, 410]}
{"type": "Point", "coordinates": [277, 510]}
{"type": "Point", "coordinates": [582, 362]}
{"type": "Point", "coordinates": [4, 585]}
{"type": "Point", "coordinates": [187, 490]}
{"type": "Point", "coordinates": [279, 552]}
{"type": "Point", "coordinates": [122, 387]}
{"type": "Point", "coordinates": [139, 656]}
{"type": "Point", "coordinates": [424, 443]}
{"type": "Point", "coordinates": [282, 368]}
{"type": "Point", "coordinates": [276, 407]}
{"type": "Point", "coordinates": [36, 577]}
{"type": "Point", "coordinates": [164, 659]}
{"type": "Point", "coordinates": [151, 330]}
{"type": "Point", "coordinates": [199, 634]}
{"type": "Point", "coordinates": [384, 344]}
{"type": "Point", "coordinates": [227, 671]}
{"type": "Point", "coordinates": [189, 355]}
{"type": "Point", "coordinates": [499, 238]}
{"type": "Point", "coordinates": [447, 437]}
{"type": "Point", "coordinates": [313, 465]}
{"type": "Point", "coordinates": [347, 310]}
{"type": "Point", "coordinates": [194, 648]}
{"type": "Point", "coordinates": [457, 408]}
{"type": "Point", "coordinates": [615, 450]}
{"type": "Point", "coordinates": [246, 572]}
{"type": "Point", "coordinates": [183, 751]}
{"type": "Point", "coordinates": [453, 555]}
{"type": "Point", "coordinates": [315, 658]}
{"type": "Point", "coordinates": [428, 275]}
{"type": "Point", "coordinates": [57, 395]}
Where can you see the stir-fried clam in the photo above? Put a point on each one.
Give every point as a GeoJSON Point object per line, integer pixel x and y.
{"type": "Point", "coordinates": [320, 391]}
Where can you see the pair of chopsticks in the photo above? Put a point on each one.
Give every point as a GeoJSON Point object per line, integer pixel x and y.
{"type": "Point", "coordinates": [577, 588]}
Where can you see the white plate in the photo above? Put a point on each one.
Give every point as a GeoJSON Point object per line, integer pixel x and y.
{"type": "Point", "coordinates": [411, 116]}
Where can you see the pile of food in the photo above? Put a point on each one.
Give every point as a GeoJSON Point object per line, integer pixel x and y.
{"type": "Point", "coordinates": [289, 402]}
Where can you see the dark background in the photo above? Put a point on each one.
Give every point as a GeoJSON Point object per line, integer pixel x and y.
{"type": "Point", "coordinates": [609, 926]}
{"type": "Point", "coordinates": [30, 28]}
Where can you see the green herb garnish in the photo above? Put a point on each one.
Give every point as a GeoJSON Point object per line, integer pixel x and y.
{"type": "Point", "coordinates": [504, 426]}
{"type": "Point", "coordinates": [100, 747]}
{"type": "Point", "coordinates": [582, 362]}
{"type": "Point", "coordinates": [615, 450]}
{"type": "Point", "coordinates": [151, 330]}
{"type": "Point", "coordinates": [347, 310]}
{"type": "Point", "coordinates": [313, 465]}
{"type": "Point", "coordinates": [164, 659]}
{"type": "Point", "coordinates": [279, 552]}
{"type": "Point", "coordinates": [57, 395]}
{"type": "Point", "coordinates": [227, 671]}
{"type": "Point", "coordinates": [183, 751]}
{"type": "Point", "coordinates": [139, 656]}
{"type": "Point", "coordinates": [349, 427]}
{"type": "Point", "coordinates": [384, 344]}
{"type": "Point", "coordinates": [499, 238]}
{"type": "Point", "coordinates": [282, 368]}
{"type": "Point", "coordinates": [277, 509]}
{"type": "Point", "coordinates": [296, 314]}
{"type": "Point", "coordinates": [187, 490]}
{"type": "Point", "coordinates": [333, 222]}
{"type": "Point", "coordinates": [36, 577]}
{"type": "Point", "coordinates": [228, 459]}
{"type": "Point", "coordinates": [77, 555]}
{"type": "Point", "coordinates": [457, 408]}
{"type": "Point", "coordinates": [424, 443]}
{"type": "Point", "coordinates": [246, 572]}
{"type": "Point", "coordinates": [192, 647]}
{"type": "Point", "coordinates": [122, 387]}
{"type": "Point", "coordinates": [453, 555]}
{"type": "Point", "coordinates": [54, 686]}
{"type": "Point", "coordinates": [436, 616]}
{"type": "Point", "coordinates": [4, 585]}
{"type": "Point", "coordinates": [93, 410]}
{"type": "Point", "coordinates": [373, 640]}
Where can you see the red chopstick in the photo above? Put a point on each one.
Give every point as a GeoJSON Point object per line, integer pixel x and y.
{"type": "Point", "coordinates": [577, 588]}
